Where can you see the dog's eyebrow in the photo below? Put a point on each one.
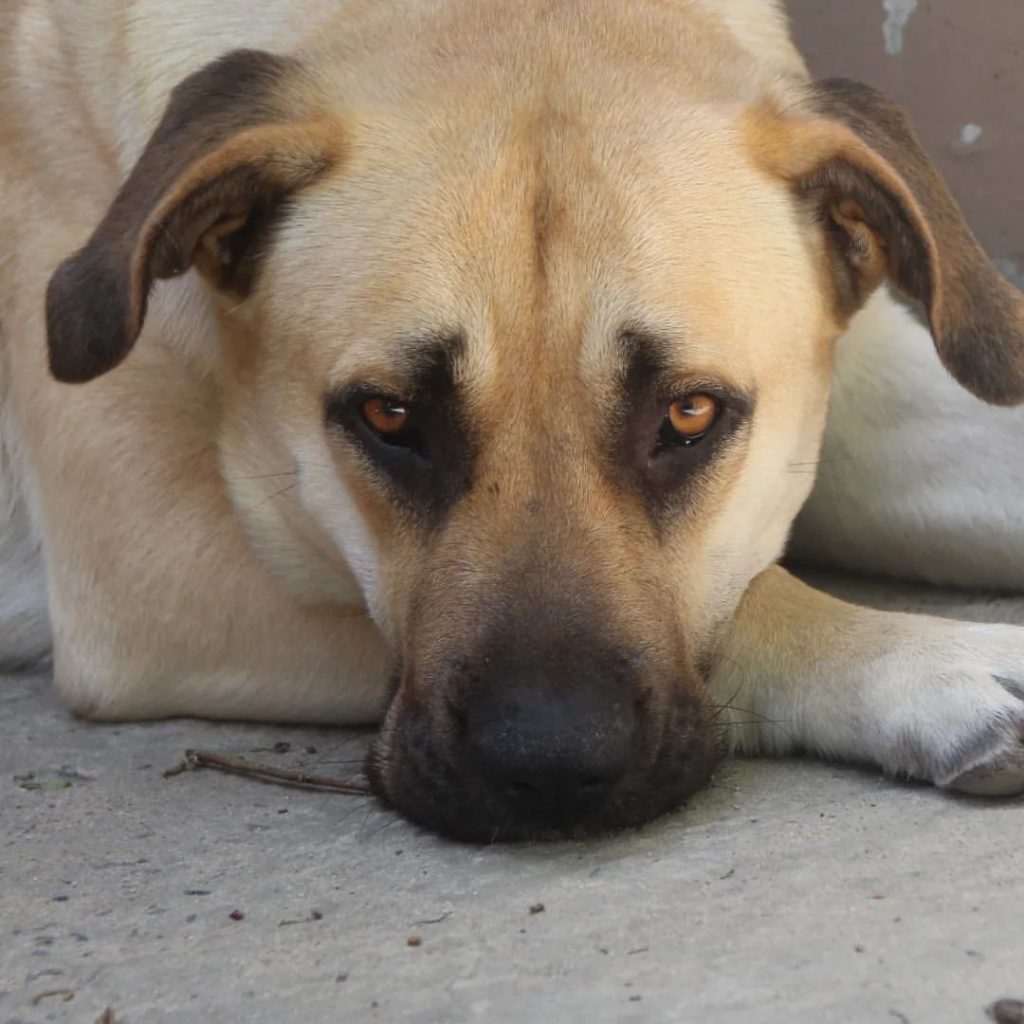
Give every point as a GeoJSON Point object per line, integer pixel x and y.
{"type": "Point", "coordinates": [432, 355]}
{"type": "Point", "coordinates": [645, 360]}
{"type": "Point", "coordinates": [650, 358]}
{"type": "Point", "coordinates": [416, 362]}
{"type": "Point", "coordinates": [641, 347]}
{"type": "Point", "coordinates": [424, 369]}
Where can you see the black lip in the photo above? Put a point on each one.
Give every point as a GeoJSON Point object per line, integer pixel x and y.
{"type": "Point", "coordinates": [428, 789]}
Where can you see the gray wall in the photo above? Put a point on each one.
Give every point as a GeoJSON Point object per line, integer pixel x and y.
{"type": "Point", "coordinates": [958, 67]}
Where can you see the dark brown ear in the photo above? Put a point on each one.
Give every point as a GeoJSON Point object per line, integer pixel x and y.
{"type": "Point", "coordinates": [204, 192]}
{"type": "Point", "coordinates": [888, 213]}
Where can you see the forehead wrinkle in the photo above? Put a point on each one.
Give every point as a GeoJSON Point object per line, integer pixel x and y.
{"type": "Point", "coordinates": [576, 231]}
{"type": "Point", "coordinates": [507, 229]}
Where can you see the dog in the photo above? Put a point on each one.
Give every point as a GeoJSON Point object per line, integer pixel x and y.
{"type": "Point", "coordinates": [461, 366]}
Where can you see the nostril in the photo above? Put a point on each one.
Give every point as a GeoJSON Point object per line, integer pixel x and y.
{"type": "Point", "coordinates": [458, 720]}
{"type": "Point", "coordinates": [556, 788]}
{"type": "Point", "coordinates": [547, 757]}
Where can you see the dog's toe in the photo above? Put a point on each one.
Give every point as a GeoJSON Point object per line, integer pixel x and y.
{"type": "Point", "coordinates": [999, 769]}
{"type": "Point", "coordinates": [1001, 775]}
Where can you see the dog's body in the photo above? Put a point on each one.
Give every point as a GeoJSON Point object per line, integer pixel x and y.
{"type": "Point", "coordinates": [184, 558]}
{"type": "Point", "coordinates": [918, 480]}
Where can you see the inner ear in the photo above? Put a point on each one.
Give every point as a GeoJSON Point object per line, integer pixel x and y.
{"type": "Point", "coordinates": [229, 253]}
{"type": "Point", "coordinates": [218, 216]}
{"type": "Point", "coordinates": [229, 151]}
{"type": "Point", "coordinates": [218, 230]}
{"type": "Point", "coordinates": [850, 155]}
{"type": "Point", "coordinates": [875, 232]}
{"type": "Point", "coordinates": [861, 245]}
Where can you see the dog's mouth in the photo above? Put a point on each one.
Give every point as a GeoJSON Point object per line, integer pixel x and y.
{"type": "Point", "coordinates": [428, 774]}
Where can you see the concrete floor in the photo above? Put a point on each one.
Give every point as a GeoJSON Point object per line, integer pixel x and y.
{"type": "Point", "coordinates": [789, 892]}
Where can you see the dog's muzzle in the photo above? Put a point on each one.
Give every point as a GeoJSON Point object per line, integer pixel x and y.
{"type": "Point", "coordinates": [503, 750]}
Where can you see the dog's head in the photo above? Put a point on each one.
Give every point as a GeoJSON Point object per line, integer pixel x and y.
{"type": "Point", "coordinates": [542, 319]}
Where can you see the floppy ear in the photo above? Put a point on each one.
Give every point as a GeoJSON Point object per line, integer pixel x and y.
{"type": "Point", "coordinates": [887, 213]}
{"type": "Point", "coordinates": [204, 192]}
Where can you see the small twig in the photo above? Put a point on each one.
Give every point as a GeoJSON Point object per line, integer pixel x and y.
{"type": "Point", "coordinates": [435, 920]}
{"type": "Point", "coordinates": [239, 766]}
{"type": "Point", "coordinates": [314, 916]}
{"type": "Point", "coordinates": [67, 994]}
{"type": "Point", "coordinates": [107, 1016]}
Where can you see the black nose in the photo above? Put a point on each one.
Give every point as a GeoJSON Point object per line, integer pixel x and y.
{"type": "Point", "coordinates": [551, 757]}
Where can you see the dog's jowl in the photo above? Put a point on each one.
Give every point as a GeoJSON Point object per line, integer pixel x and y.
{"type": "Point", "coordinates": [457, 367]}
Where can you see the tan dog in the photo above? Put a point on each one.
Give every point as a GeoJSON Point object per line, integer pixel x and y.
{"type": "Point", "coordinates": [470, 345]}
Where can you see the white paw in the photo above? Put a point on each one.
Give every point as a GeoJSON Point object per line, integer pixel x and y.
{"type": "Point", "coordinates": [956, 717]}
{"type": "Point", "coordinates": [997, 769]}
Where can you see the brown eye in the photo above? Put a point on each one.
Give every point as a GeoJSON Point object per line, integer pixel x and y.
{"type": "Point", "coordinates": [692, 416]}
{"type": "Point", "coordinates": [386, 416]}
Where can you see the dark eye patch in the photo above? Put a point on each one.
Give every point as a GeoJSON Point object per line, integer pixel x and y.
{"type": "Point", "coordinates": [428, 465]}
{"type": "Point", "coordinates": [664, 474]}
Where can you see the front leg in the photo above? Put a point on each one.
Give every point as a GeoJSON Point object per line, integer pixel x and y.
{"type": "Point", "coordinates": [919, 696]}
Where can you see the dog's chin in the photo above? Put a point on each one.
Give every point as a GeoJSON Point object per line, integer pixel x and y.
{"type": "Point", "coordinates": [435, 794]}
